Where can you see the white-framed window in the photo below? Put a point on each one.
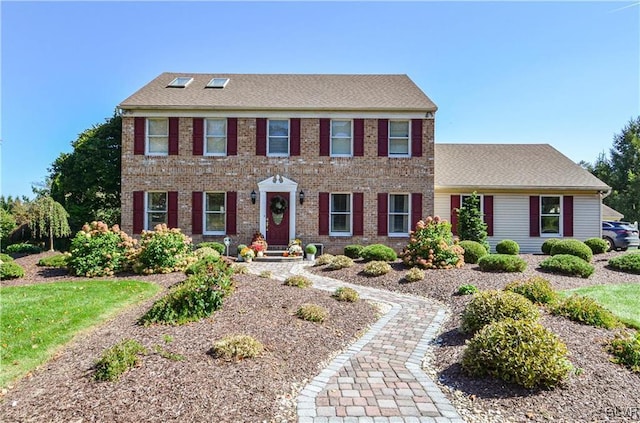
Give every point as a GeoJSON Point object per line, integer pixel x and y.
{"type": "Point", "coordinates": [464, 197]}
{"type": "Point", "coordinates": [550, 215]}
{"type": "Point", "coordinates": [399, 138]}
{"type": "Point", "coordinates": [399, 213]}
{"type": "Point", "coordinates": [340, 219]}
{"type": "Point", "coordinates": [155, 209]}
{"type": "Point", "coordinates": [180, 82]}
{"type": "Point", "coordinates": [215, 138]}
{"type": "Point", "coordinates": [278, 138]}
{"type": "Point", "coordinates": [157, 137]}
{"type": "Point", "coordinates": [341, 138]}
{"type": "Point", "coordinates": [215, 217]}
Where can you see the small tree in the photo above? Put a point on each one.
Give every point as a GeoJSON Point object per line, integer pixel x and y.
{"type": "Point", "coordinates": [48, 218]}
{"type": "Point", "coordinates": [471, 226]}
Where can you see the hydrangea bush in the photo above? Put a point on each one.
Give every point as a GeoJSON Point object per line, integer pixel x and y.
{"type": "Point", "coordinates": [431, 246]}
{"type": "Point", "coordinates": [163, 250]}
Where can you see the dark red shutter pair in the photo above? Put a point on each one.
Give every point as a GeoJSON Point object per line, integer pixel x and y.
{"type": "Point", "coordinates": [358, 137]}
{"type": "Point", "coordinates": [139, 135]}
{"type": "Point", "coordinates": [197, 211]}
{"type": "Point", "coordinates": [358, 213]}
{"type": "Point", "coordinates": [138, 210]}
{"type": "Point", "coordinates": [488, 213]}
{"type": "Point", "coordinates": [416, 137]}
{"type": "Point", "coordinates": [198, 136]}
{"type": "Point", "coordinates": [534, 215]}
{"type": "Point", "coordinates": [383, 212]}
{"type": "Point", "coordinates": [261, 137]}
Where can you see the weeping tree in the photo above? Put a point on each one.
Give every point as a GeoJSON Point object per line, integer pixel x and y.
{"type": "Point", "coordinates": [48, 219]}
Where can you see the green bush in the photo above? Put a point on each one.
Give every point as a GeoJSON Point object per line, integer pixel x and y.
{"type": "Point", "coordinates": [508, 246]}
{"type": "Point", "coordinates": [473, 251]}
{"type": "Point", "coordinates": [240, 269]}
{"type": "Point", "coordinates": [587, 311]}
{"type": "Point", "coordinates": [206, 252]}
{"type": "Point", "coordinates": [626, 350]}
{"type": "Point", "coordinates": [310, 249]}
{"type": "Point", "coordinates": [163, 250]}
{"type": "Point", "coordinates": [10, 270]}
{"type": "Point", "coordinates": [241, 247]}
{"type": "Point", "coordinates": [299, 281]}
{"type": "Point", "coordinates": [567, 265]}
{"type": "Point", "coordinates": [378, 252]}
{"type": "Point", "coordinates": [431, 246]}
{"type": "Point", "coordinates": [118, 359]}
{"type": "Point", "coordinates": [491, 306]}
{"type": "Point", "coordinates": [346, 294]}
{"type": "Point", "coordinates": [237, 347]}
{"type": "Point", "coordinates": [467, 289]}
{"type": "Point", "coordinates": [376, 268]}
{"type": "Point", "coordinates": [548, 245]}
{"type": "Point", "coordinates": [597, 245]}
{"type": "Point", "coordinates": [5, 257]}
{"type": "Point", "coordinates": [324, 259]}
{"type": "Point", "coordinates": [353, 251]}
{"type": "Point", "coordinates": [536, 289]}
{"type": "Point", "coordinates": [210, 265]}
{"type": "Point", "coordinates": [340, 262]}
{"type": "Point", "coordinates": [517, 351]}
{"type": "Point", "coordinates": [312, 313]}
{"type": "Point", "coordinates": [220, 248]}
{"type": "Point", "coordinates": [629, 263]}
{"type": "Point", "coordinates": [59, 260]}
{"type": "Point", "coordinates": [414, 274]}
{"type": "Point", "coordinates": [266, 274]}
{"type": "Point", "coordinates": [471, 225]}
{"type": "Point", "coordinates": [502, 263]}
{"type": "Point", "coordinates": [572, 247]}
{"type": "Point", "coordinates": [23, 248]}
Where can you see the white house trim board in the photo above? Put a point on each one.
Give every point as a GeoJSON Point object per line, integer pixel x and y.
{"type": "Point", "coordinates": [278, 183]}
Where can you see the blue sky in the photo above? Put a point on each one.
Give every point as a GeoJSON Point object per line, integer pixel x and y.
{"type": "Point", "coordinates": [563, 73]}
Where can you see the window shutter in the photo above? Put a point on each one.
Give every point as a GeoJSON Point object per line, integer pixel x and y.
{"type": "Point", "coordinates": [139, 132]}
{"type": "Point", "coordinates": [174, 134]}
{"type": "Point", "coordinates": [567, 215]}
{"type": "Point", "coordinates": [172, 215]}
{"type": "Point", "coordinates": [383, 214]}
{"type": "Point", "coordinates": [294, 138]}
{"type": "Point", "coordinates": [261, 137]}
{"type": "Point", "coordinates": [488, 213]}
{"type": "Point", "coordinates": [383, 137]}
{"type": "Point", "coordinates": [416, 138]}
{"type": "Point", "coordinates": [196, 212]}
{"type": "Point", "coordinates": [455, 204]}
{"type": "Point", "coordinates": [232, 207]}
{"type": "Point", "coordinates": [323, 215]}
{"type": "Point", "coordinates": [198, 136]}
{"type": "Point", "coordinates": [232, 136]}
{"type": "Point", "coordinates": [358, 137]}
{"type": "Point", "coordinates": [325, 134]}
{"type": "Point", "coordinates": [138, 212]}
{"type": "Point", "coordinates": [416, 209]}
{"type": "Point", "coordinates": [358, 213]}
{"type": "Point", "coordinates": [534, 216]}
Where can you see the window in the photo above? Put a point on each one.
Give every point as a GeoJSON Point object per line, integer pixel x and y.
{"type": "Point", "coordinates": [218, 83]}
{"type": "Point", "coordinates": [550, 215]}
{"type": "Point", "coordinates": [155, 209]}
{"type": "Point", "coordinates": [216, 137]}
{"type": "Point", "coordinates": [278, 137]}
{"type": "Point", "coordinates": [464, 198]}
{"type": "Point", "coordinates": [399, 138]}
{"type": "Point", "coordinates": [398, 214]}
{"type": "Point", "coordinates": [180, 82]}
{"type": "Point", "coordinates": [340, 214]}
{"type": "Point", "coordinates": [158, 137]}
{"type": "Point", "coordinates": [341, 140]}
{"type": "Point", "coordinates": [214, 213]}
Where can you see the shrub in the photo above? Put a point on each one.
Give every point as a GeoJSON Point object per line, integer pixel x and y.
{"type": "Point", "coordinates": [59, 260]}
{"type": "Point", "coordinates": [508, 246]}
{"type": "Point", "coordinates": [10, 270]}
{"type": "Point", "coordinates": [414, 274]}
{"type": "Point", "coordinates": [310, 249]}
{"type": "Point", "coordinates": [163, 250]}
{"type": "Point", "coordinates": [626, 350]}
{"type": "Point", "coordinates": [467, 289]}
{"type": "Point", "coordinates": [517, 351]}
{"type": "Point", "coordinates": [297, 280]}
{"type": "Point", "coordinates": [118, 359]}
{"type": "Point", "coordinates": [220, 248]}
{"type": "Point", "coordinates": [5, 257]}
{"type": "Point", "coordinates": [378, 252]}
{"type": "Point", "coordinates": [312, 313]}
{"type": "Point", "coordinates": [23, 248]}
{"type": "Point", "coordinates": [502, 263]}
{"type": "Point", "coordinates": [491, 306]}
{"type": "Point", "coordinates": [210, 265]}
{"type": "Point", "coordinates": [597, 245]}
{"type": "Point", "coordinates": [567, 265]}
{"type": "Point", "coordinates": [536, 289]}
{"type": "Point", "coordinates": [587, 311]}
{"type": "Point", "coordinates": [572, 247]}
{"type": "Point", "coordinates": [473, 251]}
{"type": "Point", "coordinates": [340, 262]}
{"type": "Point", "coordinates": [377, 268]}
{"type": "Point", "coordinates": [266, 274]}
{"type": "Point", "coordinates": [240, 269]}
{"type": "Point", "coordinates": [353, 251]}
{"type": "Point", "coordinates": [237, 347]}
{"type": "Point", "coordinates": [431, 246]}
{"type": "Point", "coordinates": [629, 263]}
{"type": "Point", "coordinates": [324, 259]}
{"type": "Point", "coordinates": [548, 245]}
{"type": "Point", "coordinates": [206, 252]}
{"type": "Point", "coordinates": [241, 247]}
{"type": "Point", "coordinates": [471, 225]}
{"type": "Point", "coordinates": [346, 294]}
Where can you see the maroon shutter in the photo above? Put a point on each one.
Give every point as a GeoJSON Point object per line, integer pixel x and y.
{"type": "Point", "coordinates": [416, 137]}
{"type": "Point", "coordinates": [534, 215]}
{"type": "Point", "coordinates": [138, 211]}
{"type": "Point", "coordinates": [323, 213]}
{"type": "Point", "coordinates": [358, 137]}
{"type": "Point", "coordinates": [358, 213]}
{"type": "Point", "coordinates": [232, 207]}
{"type": "Point", "coordinates": [383, 137]}
{"type": "Point", "coordinates": [294, 144]}
{"type": "Point", "coordinates": [416, 209]}
{"type": "Point", "coordinates": [198, 136]}
{"type": "Point", "coordinates": [232, 136]}
{"type": "Point", "coordinates": [567, 215]}
{"type": "Point", "coordinates": [174, 134]}
{"type": "Point", "coordinates": [261, 137]}
{"type": "Point", "coordinates": [139, 130]}
{"type": "Point", "coordinates": [383, 214]}
{"type": "Point", "coordinates": [455, 204]}
{"type": "Point", "coordinates": [325, 133]}
{"type": "Point", "coordinates": [172, 215]}
{"type": "Point", "coordinates": [196, 212]}
{"type": "Point", "coordinates": [488, 213]}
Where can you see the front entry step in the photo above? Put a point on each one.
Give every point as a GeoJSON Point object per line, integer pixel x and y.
{"type": "Point", "coordinates": [275, 254]}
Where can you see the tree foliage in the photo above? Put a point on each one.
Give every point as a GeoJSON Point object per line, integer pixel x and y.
{"type": "Point", "coordinates": [471, 226]}
{"type": "Point", "coordinates": [48, 218]}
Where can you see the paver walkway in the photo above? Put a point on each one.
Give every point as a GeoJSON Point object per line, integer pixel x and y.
{"type": "Point", "coordinates": [379, 378]}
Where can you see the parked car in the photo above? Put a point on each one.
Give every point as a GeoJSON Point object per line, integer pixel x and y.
{"type": "Point", "coordinates": [620, 235]}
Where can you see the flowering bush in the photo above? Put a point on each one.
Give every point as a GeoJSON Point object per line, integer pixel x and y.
{"type": "Point", "coordinates": [431, 246]}
{"type": "Point", "coordinates": [163, 250]}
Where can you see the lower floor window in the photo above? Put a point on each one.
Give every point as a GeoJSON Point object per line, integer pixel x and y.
{"type": "Point", "coordinates": [214, 213]}
{"type": "Point", "coordinates": [155, 209]}
{"type": "Point", "coordinates": [340, 214]}
{"type": "Point", "coordinates": [550, 215]}
{"type": "Point", "coordinates": [398, 214]}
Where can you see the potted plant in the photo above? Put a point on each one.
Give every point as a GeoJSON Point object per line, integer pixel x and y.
{"type": "Point", "coordinates": [311, 250]}
{"type": "Point", "coordinates": [258, 238]}
{"type": "Point", "coordinates": [240, 248]}
{"type": "Point", "coordinates": [258, 248]}
{"type": "Point", "coordinates": [247, 254]}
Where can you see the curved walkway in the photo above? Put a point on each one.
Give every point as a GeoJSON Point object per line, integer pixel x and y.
{"type": "Point", "coordinates": [378, 379]}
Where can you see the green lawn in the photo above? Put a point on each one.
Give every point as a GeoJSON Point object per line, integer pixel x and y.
{"type": "Point", "coordinates": [622, 300]}
{"type": "Point", "coordinates": [36, 320]}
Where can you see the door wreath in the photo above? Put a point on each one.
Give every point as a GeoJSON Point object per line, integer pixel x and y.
{"type": "Point", "coordinates": [278, 205]}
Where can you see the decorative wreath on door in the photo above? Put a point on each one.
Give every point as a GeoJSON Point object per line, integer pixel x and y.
{"type": "Point", "coordinates": [278, 205]}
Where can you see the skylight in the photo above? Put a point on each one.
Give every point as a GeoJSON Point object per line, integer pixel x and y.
{"type": "Point", "coordinates": [180, 82]}
{"type": "Point", "coordinates": [218, 83]}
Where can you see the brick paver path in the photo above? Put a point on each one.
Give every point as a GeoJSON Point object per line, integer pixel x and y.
{"type": "Point", "coordinates": [379, 378]}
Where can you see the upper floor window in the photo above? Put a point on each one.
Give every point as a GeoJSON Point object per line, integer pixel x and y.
{"type": "Point", "coordinates": [399, 214]}
{"type": "Point", "coordinates": [214, 213]}
{"type": "Point", "coordinates": [399, 138]}
{"type": "Point", "coordinates": [340, 215]}
{"type": "Point", "coordinates": [278, 138]}
{"type": "Point", "coordinates": [341, 138]}
{"type": "Point", "coordinates": [155, 209]}
{"type": "Point", "coordinates": [550, 215]}
{"type": "Point", "coordinates": [216, 137]}
{"type": "Point", "coordinates": [158, 136]}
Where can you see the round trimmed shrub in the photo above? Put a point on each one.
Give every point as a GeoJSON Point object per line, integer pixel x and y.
{"type": "Point", "coordinates": [414, 274]}
{"type": "Point", "coordinates": [210, 265]}
{"type": "Point", "coordinates": [473, 251]}
{"type": "Point", "coordinates": [492, 305]}
{"type": "Point", "coordinates": [567, 265]}
{"type": "Point", "coordinates": [23, 248]}
{"type": "Point", "coordinates": [536, 289]}
{"type": "Point", "coordinates": [344, 293]}
{"type": "Point", "coordinates": [378, 252]}
{"type": "Point", "coordinates": [58, 260]}
{"type": "Point", "coordinates": [203, 252]}
{"type": "Point", "coordinates": [237, 347]}
{"type": "Point", "coordinates": [502, 263]}
{"type": "Point", "coordinates": [298, 280]}
{"type": "Point", "coordinates": [377, 268]}
{"type": "Point", "coordinates": [597, 245]}
{"type": "Point", "coordinates": [467, 289]}
{"type": "Point", "coordinates": [10, 270]}
{"type": "Point", "coordinates": [629, 263]}
{"type": "Point", "coordinates": [353, 251]}
{"type": "Point", "coordinates": [220, 248]}
{"type": "Point", "coordinates": [548, 244]}
{"type": "Point", "coordinates": [508, 246]}
{"type": "Point", "coordinates": [340, 262]}
{"type": "Point", "coordinates": [324, 259]}
{"type": "Point", "coordinates": [572, 247]}
{"type": "Point", "coordinates": [517, 351]}
{"type": "Point", "coordinates": [587, 311]}
{"type": "Point", "coordinates": [312, 312]}
{"type": "Point", "coordinates": [310, 249]}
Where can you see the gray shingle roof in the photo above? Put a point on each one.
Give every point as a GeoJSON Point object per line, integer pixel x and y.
{"type": "Point", "coordinates": [284, 92]}
{"type": "Point", "coordinates": [509, 166]}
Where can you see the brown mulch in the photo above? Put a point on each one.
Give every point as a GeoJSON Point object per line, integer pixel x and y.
{"type": "Point", "coordinates": [199, 388]}
{"type": "Point", "coordinates": [602, 391]}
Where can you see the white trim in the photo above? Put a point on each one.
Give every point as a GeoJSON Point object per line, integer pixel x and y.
{"type": "Point", "coordinates": [278, 183]}
{"type": "Point", "coordinates": [288, 153]}
{"type": "Point", "coordinates": [398, 234]}
{"type": "Point", "coordinates": [204, 213]}
{"type": "Point", "coordinates": [341, 234]}
{"type": "Point", "coordinates": [331, 154]}
{"type": "Point", "coordinates": [404, 155]}
{"type": "Point", "coordinates": [560, 232]}
{"type": "Point", "coordinates": [147, 211]}
{"type": "Point", "coordinates": [147, 136]}
{"type": "Point", "coordinates": [272, 114]}
{"type": "Point", "coordinates": [205, 138]}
